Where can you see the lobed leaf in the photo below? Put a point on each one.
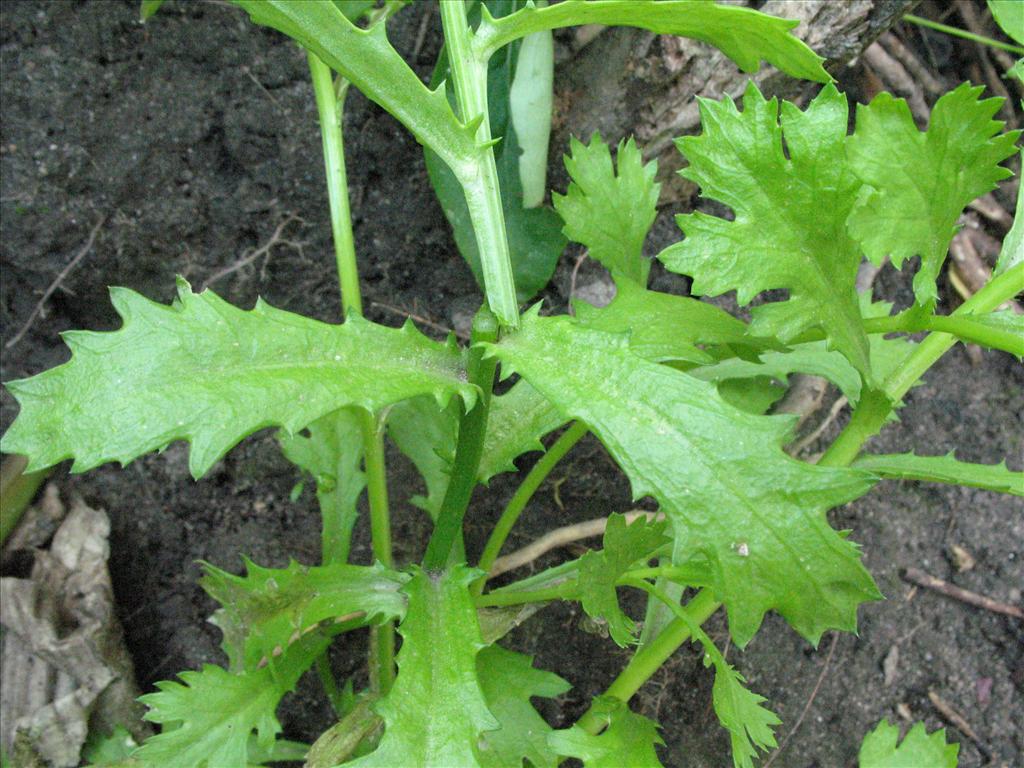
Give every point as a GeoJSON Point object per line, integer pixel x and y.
{"type": "Point", "coordinates": [610, 209]}
{"type": "Point", "coordinates": [508, 680]}
{"type": "Point", "coordinates": [516, 422]}
{"type": "Point", "coordinates": [332, 453]}
{"type": "Point", "coordinates": [739, 710]}
{"type": "Point", "coordinates": [209, 716]}
{"type": "Point", "coordinates": [919, 748]}
{"type": "Point", "coordinates": [269, 608]}
{"type": "Point", "coordinates": [790, 216]}
{"type": "Point", "coordinates": [921, 181]}
{"type": "Point", "coordinates": [745, 36]}
{"type": "Point", "coordinates": [367, 60]}
{"type": "Point", "coordinates": [944, 469]}
{"type": "Point", "coordinates": [745, 516]}
{"type": "Point", "coordinates": [436, 712]}
{"type": "Point", "coordinates": [599, 570]}
{"type": "Point", "coordinates": [628, 741]}
{"type": "Point", "coordinates": [207, 372]}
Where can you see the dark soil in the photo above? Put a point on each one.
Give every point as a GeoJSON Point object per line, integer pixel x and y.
{"type": "Point", "coordinates": [193, 137]}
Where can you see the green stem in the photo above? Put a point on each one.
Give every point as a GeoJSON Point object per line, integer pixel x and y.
{"type": "Point", "coordinates": [17, 488]}
{"type": "Point", "coordinates": [472, 430]}
{"type": "Point", "coordinates": [649, 660]}
{"type": "Point", "coordinates": [965, 328]}
{"type": "Point", "coordinates": [522, 497]}
{"type": "Point", "coordinates": [329, 684]}
{"type": "Point", "coordinates": [563, 591]}
{"type": "Point", "coordinates": [382, 646]}
{"type": "Point", "coordinates": [479, 176]}
{"type": "Point", "coordinates": [669, 572]}
{"type": "Point", "coordinates": [329, 104]}
{"type": "Point", "coordinates": [875, 406]}
{"type": "Point", "coordinates": [957, 32]}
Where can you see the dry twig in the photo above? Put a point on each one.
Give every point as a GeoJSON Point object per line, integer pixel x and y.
{"type": "Point", "coordinates": [264, 251]}
{"type": "Point", "coordinates": [40, 306]}
{"type": "Point", "coordinates": [560, 537]}
{"type": "Point", "coordinates": [959, 722]}
{"type": "Point", "coordinates": [419, 319]}
{"type": "Point", "coordinates": [915, 576]}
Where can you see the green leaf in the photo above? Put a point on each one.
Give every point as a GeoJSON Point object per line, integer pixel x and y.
{"type": "Point", "coordinates": [627, 742]}
{"type": "Point", "coordinates": [332, 453]}
{"type": "Point", "coordinates": [426, 434]}
{"type": "Point", "coordinates": [1009, 15]}
{"type": "Point", "coordinates": [790, 216]}
{"type": "Point", "coordinates": [816, 359]}
{"type": "Point", "coordinates": [738, 709]}
{"type": "Point", "coordinates": [610, 209]}
{"type": "Point", "coordinates": [740, 712]}
{"type": "Point", "coordinates": [269, 608]}
{"type": "Point", "coordinates": [534, 234]}
{"type": "Point", "coordinates": [1017, 70]}
{"type": "Point", "coordinates": [1008, 322]}
{"type": "Point", "coordinates": [944, 469]}
{"type": "Point", "coordinates": [207, 721]}
{"type": "Point", "coordinates": [1012, 252]}
{"type": "Point", "coordinates": [921, 181]}
{"type": "Point", "coordinates": [148, 8]}
{"type": "Point", "coordinates": [204, 371]}
{"type": "Point", "coordinates": [436, 711]}
{"type": "Point", "coordinates": [366, 59]}
{"type": "Point", "coordinates": [745, 36]}
{"type": "Point", "coordinates": [918, 749]}
{"type": "Point", "coordinates": [508, 680]}
{"type": "Point", "coordinates": [745, 515]}
{"type": "Point", "coordinates": [624, 545]}
{"type": "Point", "coordinates": [516, 422]}
{"type": "Point", "coordinates": [663, 327]}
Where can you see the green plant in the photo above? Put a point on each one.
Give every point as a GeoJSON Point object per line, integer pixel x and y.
{"type": "Point", "coordinates": [676, 389]}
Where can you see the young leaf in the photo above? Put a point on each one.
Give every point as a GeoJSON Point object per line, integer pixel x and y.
{"type": "Point", "coordinates": [204, 371]}
{"type": "Point", "coordinates": [530, 98]}
{"type": "Point", "coordinates": [663, 327]}
{"type": "Point", "coordinates": [880, 750]}
{"type": "Point", "coordinates": [332, 454]}
{"type": "Point", "coordinates": [944, 469]}
{"type": "Point", "coordinates": [208, 720]}
{"type": "Point", "coordinates": [269, 608]}
{"type": "Point", "coordinates": [744, 35]}
{"type": "Point", "coordinates": [741, 510]}
{"type": "Point", "coordinates": [610, 209]}
{"type": "Point", "coordinates": [790, 225]}
{"type": "Point", "coordinates": [508, 680]}
{"type": "Point", "coordinates": [426, 434]}
{"type": "Point", "coordinates": [624, 545]}
{"type": "Point", "coordinates": [436, 712]}
{"type": "Point", "coordinates": [740, 712]}
{"type": "Point", "coordinates": [629, 739]}
{"type": "Point", "coordinates": [1012, 252]}
{"type": "Point", "coordinates": [922, 181]}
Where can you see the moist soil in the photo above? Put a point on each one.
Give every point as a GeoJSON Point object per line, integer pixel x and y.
{"type": "Point", "coordinates": [193, 138]}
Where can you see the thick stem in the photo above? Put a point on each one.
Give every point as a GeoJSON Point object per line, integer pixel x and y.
{"type": "Point", "coordinates": [382, 646]}
{"type": "Point", "coordinates": [479, 176]}
{"type": "Point", "coordinates": [472, 430]}
{"type": "Point", "coordinates": [875, 406]}
{"type": "Point", "coordinates": [522, 497]}
{"type": "Point", "coordinates": [649, 660]}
